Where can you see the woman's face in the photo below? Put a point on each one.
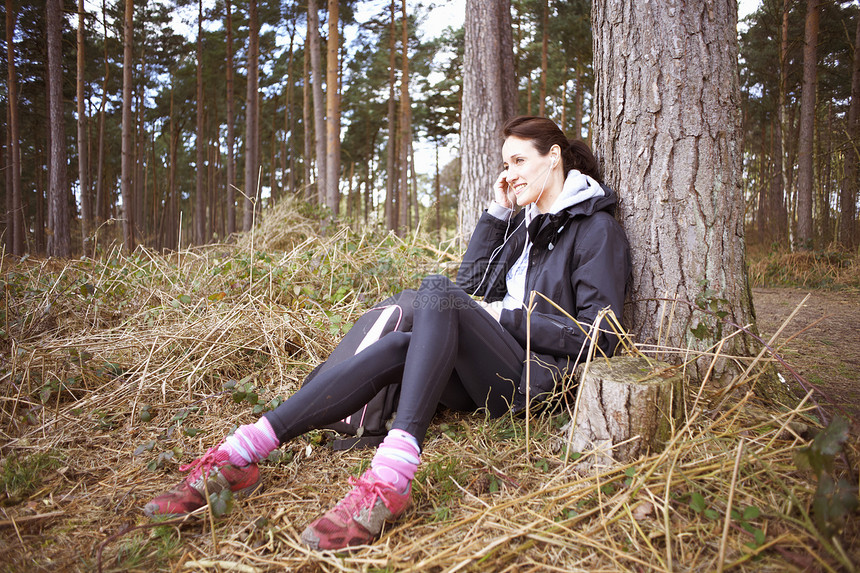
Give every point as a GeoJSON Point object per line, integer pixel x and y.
{"type": "Point", "coordinates": [528, 172]}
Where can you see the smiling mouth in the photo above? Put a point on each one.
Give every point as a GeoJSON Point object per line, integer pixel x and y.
{"type": "Point", "coordinates": [520, 188]}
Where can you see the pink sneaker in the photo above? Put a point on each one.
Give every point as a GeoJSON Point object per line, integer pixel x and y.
{"type": "Point", "coordinates": [359, 517]}
{"type": "Point", "coordinates": [213, 473]}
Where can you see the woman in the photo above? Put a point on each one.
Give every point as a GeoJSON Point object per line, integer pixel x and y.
{"type": "Point", "coordinates": [565, 244]}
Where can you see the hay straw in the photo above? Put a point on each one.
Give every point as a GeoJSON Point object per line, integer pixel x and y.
{"type": "Point", "coordinates": [490, 495]}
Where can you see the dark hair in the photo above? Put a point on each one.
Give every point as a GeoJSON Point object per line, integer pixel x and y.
{"type": "Point", "coordinates": [544, 133]}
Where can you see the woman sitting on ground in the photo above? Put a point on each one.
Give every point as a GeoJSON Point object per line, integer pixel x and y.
{"type": "Point", "coordinates": [462, 353]}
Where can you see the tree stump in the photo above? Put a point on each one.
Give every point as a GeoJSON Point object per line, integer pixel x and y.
{"type": "Point", "coordinates": [626, 408]}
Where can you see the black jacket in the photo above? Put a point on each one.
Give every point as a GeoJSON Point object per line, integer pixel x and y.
{"type": "Point", "coordinates": [579, 259]}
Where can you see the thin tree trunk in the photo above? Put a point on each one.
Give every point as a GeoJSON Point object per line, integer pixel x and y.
{"type": "Point", "coordinates": [39, 224]}
{"type": "Point", "coordinates": [333, 110]}
{"type": "Point", "coordinates": [175, 230]}
{"type": "Point", "coordinates": [778, 214]}
{"type": "Point", "coordinates": [391, 203]}
{"type": "Point", "coordinates": [101, 202]}
{"type": "Point", "coordinates": [309, 194]}
{"type": "Point", "coordinates": [14, 215]}
{"type": "Point", "coordinates": [489, 98]}
{"type": "Point", "coordinates": [805, 169]}
{"type": "Point", "coordinates": [231, 130]}
{"type": "Point", "coordinates": [138, 183]}
{"type": "Point", "coordinates": [577, 103]}
{"type": "Point", "coordinates": [405, 128]}
{"type": "Point", "coordinates": [59, 241]}
{"type": "Point", "coordinates": [319, 105]}
{"type": "Point", "coordinates": [437, 192]}
{"type": "Point", "coordinates": [252, 119]}
{"type": "Point", "coordinates": [848, 190]}
{"type": "Point", "coordinates": [199, 192]}
{"type": "Point", "coordinates": [127, 142]}
{"type": "Point", "coordinates": [544, 57]}
{"type": "Point", "coordinates": [286, 144]}
{"type": "Point", "coordinates": [83, 155]}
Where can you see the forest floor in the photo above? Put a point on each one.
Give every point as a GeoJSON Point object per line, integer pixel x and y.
{"type": "Point", "coordinates": [821, 343]}
{"type": "Point", "coordinates": [115, 370]}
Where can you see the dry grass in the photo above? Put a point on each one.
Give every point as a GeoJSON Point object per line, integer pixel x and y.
{"type": "Point", "coordinates": [88, 346]}
{"type": "Point", "coordinates": [829, 269]}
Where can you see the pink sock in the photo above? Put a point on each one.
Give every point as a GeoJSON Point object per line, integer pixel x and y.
{"type": "Point", "coordinates": [251, 443]}
{"type": "Point", "coordinates": [396, 459]}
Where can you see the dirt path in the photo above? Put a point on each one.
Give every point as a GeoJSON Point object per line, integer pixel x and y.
{"type": "Point", "coordinates": [822, 343]}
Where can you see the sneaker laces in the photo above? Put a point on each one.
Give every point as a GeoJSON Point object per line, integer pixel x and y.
{"type": "Point", "coordinates": [204, 464]}
{"type": "Point", "coordinates": [363, 488]}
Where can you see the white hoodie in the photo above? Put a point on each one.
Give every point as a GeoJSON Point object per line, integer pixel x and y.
{"type": "Point", "coordinates": [577, 188]}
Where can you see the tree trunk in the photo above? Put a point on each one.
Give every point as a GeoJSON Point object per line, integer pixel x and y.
{"type": "Point", "coordinates": [127, 142]}
{"type": "Point", "coordinates": [310, 196]}
{"type": "Point", "coordinates": [489, 99]}
{"type": "Point", "coordinates": [101, 202]}
{"type": "Point", "coordinates": [667, 128]}
{"type": "Point", "coordinates": [83, 155]}
{"type": "Point", "coordinates": [391, 203]}
{"type": "Point", "coordinates": [578, 97]}
{"type": "Point", "coordinates": [175, 229]}
{"type": "Point", "coordinates": [7, 184]}
{"type": "Point", "coordinates": [199, 192]}
{"type": "Point", "coordinates": [287, 163]}
{"type": "Point", "coordinates": [15, 215]}
{"type": "Point", "coordinates": [231, 130]}
{"type": "Point", "coordinates": [544, 57]}
{"type": "Point", "coordinates": [779, 217]}
{"type": "Point", "coordinates": [39, 223]}
{"type": "Point", "coordinates": [437, 193]}
{"type": "Point", "coordinates": [252, 119]}
{"type": "Point", "coordinates": [59, 240]}
{"type": "Point", "coordinates": [405, 129]}
{"type": "Point", "coordinates": [319, 105]}
{"type": "Point", "coordinates": [332, 161]}
{"type": "Point", "coordinates": [805, 175]}
{"type": "Point", "coordinates": [848, 190]}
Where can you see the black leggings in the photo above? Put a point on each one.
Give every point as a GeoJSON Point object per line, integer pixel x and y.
{"type": "Point", "coordinates": [456, 354]}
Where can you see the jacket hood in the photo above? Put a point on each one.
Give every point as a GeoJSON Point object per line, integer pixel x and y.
{"type": "Point", "coordinates": [581, 196]}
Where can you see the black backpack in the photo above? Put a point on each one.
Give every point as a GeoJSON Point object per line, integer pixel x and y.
{"type": "Point", "coordinates": [368, 426]}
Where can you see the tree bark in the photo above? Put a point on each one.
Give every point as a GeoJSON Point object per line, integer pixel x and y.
{"type": "Point", "coordinates": [308, 132]}
{"type": "Point", "coordinates": [127, 142]}
{"type": "Point", "coordinates": [668, 131]}
{"type": "Point", "coordinates": [14, 215]}
{"type": "Point", "coordinates": [848, 189]}
{"type": "Point", "coordinates": [319, 105]}
{"type": "Point", "coordinates": [805, 169]}
{"type": "Point", "coordinates": [231, 130]}
{"type": "Point", "coordinates": [175, 229]}
{"type": "Point", "coordinates": [391, 203]}
{"type": "Point", "coordinates": [778, 227]}
{"type": "Point", "coordinates": [200, 191]}
{"type": "Point", "coordinates": [83, 155]}
{"type": "Point", "coordinates": [332, 161]}
{"type": "Point", "coordinates": [405, 128]}
{"type": "Point", "coordinates": [489, 99]}
{"type": "Point", "coordinates": [252, 119]}
{"type": "Point", "coordinates": [59, 240]}
{"type": "Point", "coordinates": [544, 58]}
{"type": "Point", "coordinates": [287, 155]}
{"type": "Point", "coordinates": [101, 201]}
{"type": "Point", "coordinates": [578, 97]}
